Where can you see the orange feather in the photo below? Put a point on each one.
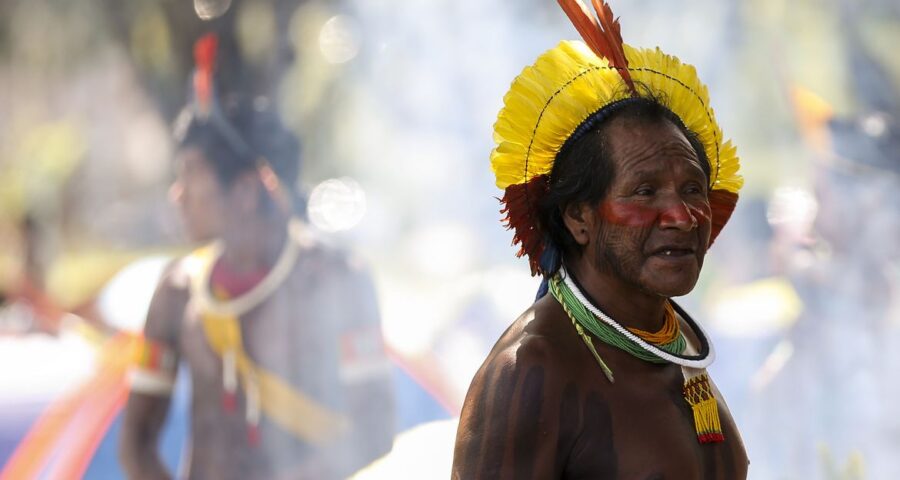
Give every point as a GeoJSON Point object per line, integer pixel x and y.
{"type": "Point", "coordinates": [604, 37]}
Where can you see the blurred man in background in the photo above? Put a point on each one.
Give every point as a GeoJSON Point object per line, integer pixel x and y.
{"type": "Point", "coordinates": [280, 333]}
{"type": "Point", "coordinates": [831, 392]}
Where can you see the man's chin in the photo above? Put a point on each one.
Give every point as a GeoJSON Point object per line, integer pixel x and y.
{"type": "Point", "coordinates": [677, 292]}
{"type": "Point", "coordinates": [671, 287]}
{"type": "Point", "coordinates": [672, 278]}
{"type": "Point", "coordinates": [199, 237]}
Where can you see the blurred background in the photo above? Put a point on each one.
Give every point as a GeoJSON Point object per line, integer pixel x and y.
{"type": "Point", "coordinates": [394, 102]}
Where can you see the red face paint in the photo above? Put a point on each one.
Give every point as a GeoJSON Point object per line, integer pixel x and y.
{"type": "Point", "coordinates": [642, 216]}
{"type": "Point", "coordinates": [628, 214]}
{"type": "Point", "coordinates": [677, 214]}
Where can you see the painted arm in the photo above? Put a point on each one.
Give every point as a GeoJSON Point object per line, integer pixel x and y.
{"type": "Point", "coordinates": [138, 452]}
{"type": "Point", "coordinates": [152, 379]}
{"type": "Point", "coordinates": [509, 427]}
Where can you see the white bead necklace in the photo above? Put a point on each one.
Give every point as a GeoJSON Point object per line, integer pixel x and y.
{"type": "Point", "coordinates": [698, 362]}
{"type": "Point", "coordinates": [242, 304]}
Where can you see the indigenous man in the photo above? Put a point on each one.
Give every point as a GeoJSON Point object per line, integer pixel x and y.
{"type": "Point", "coordinates": [280, 333]}
{"type": "Point", "coordinates": [616, 181]}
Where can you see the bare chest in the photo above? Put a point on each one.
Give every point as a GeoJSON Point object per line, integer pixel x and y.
{"type": "Point", "coordinates": [642, 428]}
{"type": "Point", "coordinates": [282, 336]}
{"type": "Point", "coordinates": [287, 337]}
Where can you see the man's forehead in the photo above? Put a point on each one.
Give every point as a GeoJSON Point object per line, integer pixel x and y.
{"type": "Point", "coordinates": [625, 130]}
{"type": "Point", "coordinates": [650, 168]}
{"type": "Point", "coordinates": [640, 141]}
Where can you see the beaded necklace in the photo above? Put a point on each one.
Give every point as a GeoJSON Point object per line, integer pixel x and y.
{"type": "Point", "coordinates": [265, 393]}
{"type": "Point", "coordinates": [610, 335]}
{"type": "Point", "coordinates": [700, 361]}
{"type": "Point", "coordinates": [666, 346]}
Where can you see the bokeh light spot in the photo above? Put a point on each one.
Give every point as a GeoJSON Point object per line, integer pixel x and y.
{"type": "Point", "coordinates": [337, 204]}
{"type": "Point", "coordinates": [210, 9]}
{"type": "Point", "coordinates": [338, 39]}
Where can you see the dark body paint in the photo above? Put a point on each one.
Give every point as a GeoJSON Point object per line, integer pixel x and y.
{"type": "Point", "coordinates": [562, 419]}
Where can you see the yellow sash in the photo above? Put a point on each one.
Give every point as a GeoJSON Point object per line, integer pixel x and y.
{"type": "Point", "coordinates": [286, 406]}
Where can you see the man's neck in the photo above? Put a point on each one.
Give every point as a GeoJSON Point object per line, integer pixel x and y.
{"type": "Point", "coordinates": [254, 244]}
{"type": "Point", "coordinates": [625, 303]}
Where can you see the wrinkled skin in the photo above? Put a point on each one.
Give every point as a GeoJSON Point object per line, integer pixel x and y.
{"type": "Point", "coordinates": [657, 203]}
{"type": "Point", "coordinates": [540, 406]}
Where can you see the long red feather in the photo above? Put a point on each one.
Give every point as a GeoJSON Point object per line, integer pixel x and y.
{"type": "Point", "coordinates": [612, 31]}
{"type": "Point", "coordinates": [586, 24]}
{"type": "Point", "coordinates": [604, 37]}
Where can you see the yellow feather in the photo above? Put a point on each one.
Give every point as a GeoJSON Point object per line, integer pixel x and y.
{"type": "Point", "coordinates": [568, 83]}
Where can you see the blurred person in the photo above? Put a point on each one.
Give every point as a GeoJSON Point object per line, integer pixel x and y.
{"type": "Point", "coordinates": [617, 179]}
{"type": "Point", "coordinates": [833, 397]}
{"type": "Point", "coordinates": [36, 310]}
{"type": "Point", "coordinates": [34, 307]}
{"type": "Point", "coordinates": [280, 333]}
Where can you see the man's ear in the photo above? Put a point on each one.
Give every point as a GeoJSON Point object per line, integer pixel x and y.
{"type": "Point", "coordinates": [581, 220]}
{"type": "Point", "coordinates": [245, 192]}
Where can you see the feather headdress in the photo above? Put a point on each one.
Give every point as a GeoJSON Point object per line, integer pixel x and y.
{"type": "Point", "coordinates": [205, 108]}
{"type": "Point", "coordinates": [569, 84]}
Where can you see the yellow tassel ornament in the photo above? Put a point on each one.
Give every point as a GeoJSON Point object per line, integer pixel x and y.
{"type": "Point", "coordinates": [699, 395]}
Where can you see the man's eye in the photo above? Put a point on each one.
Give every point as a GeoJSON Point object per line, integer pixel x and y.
{"type": "Point", "coordinates": [644, 191]}
{"type": "Point", "coordinates": [692, 189]}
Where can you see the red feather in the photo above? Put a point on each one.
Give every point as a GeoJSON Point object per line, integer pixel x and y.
{"type": "Point", "coordinates": [205, 62]}
{"type": "Point", "coordinates": [604, 37]}
{"type": "Point", "coordinates": [520, 210]}
{"type": "Point", "coordinates": [722, 203]}
{"type": "Point", "coordinates": [586, 24]}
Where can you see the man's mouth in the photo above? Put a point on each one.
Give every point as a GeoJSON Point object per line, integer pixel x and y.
{"type": "Point", "coordinates": [673, 251]}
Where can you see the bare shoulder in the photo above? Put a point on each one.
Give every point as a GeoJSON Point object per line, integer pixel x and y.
{"type": "Point", "coordinates": [329, 262]}
{"type": "Point", "coordinates": [541, 336]}
{"type": "Point", "coordinates": [169, 301]}
{"type": "Point", "coordinates": [177, 274]}
{"type": "Point", "coordinates": [533, 361]}
{"type": "Point", "coordinates": [534, 344]}
{"type": "Point", "coordinates": [511, 419]}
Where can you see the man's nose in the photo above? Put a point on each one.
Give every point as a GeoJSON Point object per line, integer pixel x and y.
{"type": "Point", "coordinates": [676, 214]}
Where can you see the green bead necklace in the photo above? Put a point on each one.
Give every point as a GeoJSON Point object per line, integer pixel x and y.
{"type": "Point", "coordinates": [582, 319]}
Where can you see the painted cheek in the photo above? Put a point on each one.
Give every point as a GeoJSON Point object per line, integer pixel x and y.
{"type": "Point", "coordinates": [697, 214]}
{"type": "Point", "coordinates": [628, 215]}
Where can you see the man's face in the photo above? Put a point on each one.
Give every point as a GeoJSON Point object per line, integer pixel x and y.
{"type": "Point", "coordinates": [654, 224]}
{"type": "Point", "coordinates": [199, 195]}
